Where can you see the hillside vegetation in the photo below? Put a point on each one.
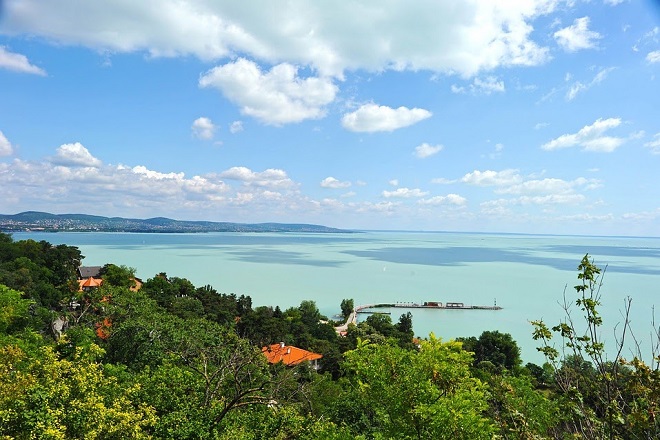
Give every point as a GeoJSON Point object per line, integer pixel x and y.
{"type": "Point", "coordinates": [177, 361]}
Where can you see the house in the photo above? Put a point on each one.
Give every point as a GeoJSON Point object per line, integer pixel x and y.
{"type": "Point", "coordinates": [290, 355]}
{"type": "Point", "coordinates": [90, 277]}
{"type": "Point", "coordinates": [137, 284]}
{"type": "Point", "coordinates": [89, 283]}
{"type": "Point", "coordinates": [85, 272]}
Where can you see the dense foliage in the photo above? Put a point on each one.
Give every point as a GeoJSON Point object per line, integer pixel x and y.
{"type": "Point", "coordinates": [172, 360]}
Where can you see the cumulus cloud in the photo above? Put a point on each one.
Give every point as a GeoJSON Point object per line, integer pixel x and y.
{"type": "Point", "coordinates": [203, 128]}
{"type": "Point", "coordinates": [426, 150]}
{"type": "Point", "coordinates": [464, 38]}
{"type": "Point", "coordinates": [273, 178]}
{"type": "Point", "coordinates": [449, 199]}
{"type": "Point", "coordinates": [6, 148]}
{"type": "Point", "coordinates": [63, 182]}
{"type": "Point", "coordinates": [577, 36]}
{"type": "Point", "coordinates": [75, 155]}
{"type": "Point", "coordinates": [549, 186]}
{"type": "Point", "coordinates": [372, 118]}
{"type": "Point", "coordinates": [18, 63]}
{"type": "Point", "coordinates": [590, 138]}
{"type": "Point", "coordinates": [492, 178]}
{"type": "Point", "coordinates": [653, 57]}
{"type": "Point", "coordinates": [405, 193]}
{"type": "Point", "coordinates": [579, 87]}
{"type": "Point", "coordinates": [276, 97]}
{"type": "Point", "coordinates": [236, 127]}
{"type": "Point", "coordinates": [331, 182]}
{"type": "Point", "coordinates": [653, 145]}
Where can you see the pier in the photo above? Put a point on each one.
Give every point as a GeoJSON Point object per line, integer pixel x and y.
{"type": "Point", "coordinates": [433, 305]}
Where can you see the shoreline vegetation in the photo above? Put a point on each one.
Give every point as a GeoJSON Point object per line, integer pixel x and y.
{"type": "Point", "coordinates": [46, 222]}
{"type": "Point", "coordinates": [124, 358]}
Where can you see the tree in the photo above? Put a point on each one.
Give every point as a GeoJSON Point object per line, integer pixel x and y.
{"type": "Point", "coordinates": [120, 276]}
{"type": "Point", "coordinates": [500, 349]}
{"type": "Point", "coordinates": [425, 393]}
{"type": "Point", "coordinates": [599, 400]}
{"type": "Point", "coordinates": [347, 307]}
{"type": "Point", "coordinates": [13, 310]}
{"type": "Point", "coordinates": [309, 313]}
{"type": "Point", "coordinates": [43, 396]}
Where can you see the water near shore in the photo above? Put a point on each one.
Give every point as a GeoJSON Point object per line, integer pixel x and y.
{"type": "Point", "coordinates": [525, 274]}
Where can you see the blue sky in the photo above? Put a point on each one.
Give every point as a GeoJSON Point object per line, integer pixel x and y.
{"type": "Point", "coordinates": [518, 116]}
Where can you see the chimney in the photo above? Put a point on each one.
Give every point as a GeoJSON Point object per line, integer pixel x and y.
{"type": "Point", "coordinates": [281, 344]}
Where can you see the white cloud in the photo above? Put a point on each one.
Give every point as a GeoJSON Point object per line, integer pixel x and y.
{"type": "Point", "coordinates": [653, 57]}
{"type": "Point", "coordinates": [492, 178]}
{"type": "Point", "coordinates": [442, 181]}
{"type": "Point", "coordinates": [6, 148]}
{"type": "Point", "coordinates": [449, 199]}
{"type": "Point", "coordinates": [394, 182]}
{"type": "Point", "coordinates": [331, 37]}
{"type": "Point", "coordinates": [541, 125]}
{"type": "Point", "coordinates": [67, 182]}
{"type": "Point", "coordinates": [155, 175]}
{"type": "Point", "coordinates": [614, 2]}
{"type": "Point", "coordinates": [485, 86]}
{"type": "Point", "coordinates": [236, 127]}
{"type": "Point", "coordinates": [75, 155]}
{"type": "Point", "coordinates": [372, 118]}
{"type": "Point", "coordinates": [577, 36]}
{"type": "Point", "coordinates": [331, 182]}
{"type": "Point", "coordinates": [425, 150]}
{"type": "Point", "coordinates": [654, 145]}
{"type": "Point", "coordinates": [551, 199]}
{"type": "Point", "coordinates": [203, 128]}
{"type": "Point", "coordinates": [590, 138]}
{"type": "Point", "coordinates": [549, 186]}
{"type": "Point", "coordinates": [18, 63]}
{"type": "Point", "coordinates": [276, 97]}
{"type": "Point", "coordinates": [499, 205]}
{"type": "Point", "coordinates": [578, 87]}
{"type": "Point", "coordinates": [274, 178]}
{"type": "Point", "coordinates": [405, 193]}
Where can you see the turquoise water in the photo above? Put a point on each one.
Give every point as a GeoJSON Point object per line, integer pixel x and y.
{"type": "Point", "coordinates": [525, 274]}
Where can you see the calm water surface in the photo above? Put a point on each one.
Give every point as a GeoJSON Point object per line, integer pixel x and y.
{"type": "Point", "coordinates": [525, 274]}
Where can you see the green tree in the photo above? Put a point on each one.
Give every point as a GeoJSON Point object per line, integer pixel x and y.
{"type": "Point", "coordinates": [421, 394]}
{"type": "Point", "coordinates": [309, 313]}
{"type": "Point", "coordinates": [496, 348]}
{"type": "Point", "coordinates": [13, 310]}
{"type": "Point", "coordinates": [595, 394]}
{"type": "Point", "coordinates": [43, 396]}
{"type": "Point", "coordinates": [119, 276]}
{"type": "Point", "coordinates": [347, 307]}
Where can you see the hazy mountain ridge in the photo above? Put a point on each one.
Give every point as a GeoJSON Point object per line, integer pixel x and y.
{"type": "Point", "coordinates": [34, 220]}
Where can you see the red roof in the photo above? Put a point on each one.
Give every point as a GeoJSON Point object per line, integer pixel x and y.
{"type": "Point", "coordinates": [288, 355]}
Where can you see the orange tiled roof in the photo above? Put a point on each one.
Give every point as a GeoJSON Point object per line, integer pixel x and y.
{"type": "Point", "coordinates": [288, 354]}
{"type": "Point", "coordinates": [90, 282]}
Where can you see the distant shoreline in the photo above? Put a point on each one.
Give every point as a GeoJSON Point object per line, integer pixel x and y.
{"type": "Point", "coordinates": [32, 221]}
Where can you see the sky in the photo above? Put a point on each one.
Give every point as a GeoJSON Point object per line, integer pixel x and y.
{"type": "Point", "coordinates": [521, 116]}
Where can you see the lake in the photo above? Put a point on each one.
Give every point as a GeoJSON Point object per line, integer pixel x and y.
{"type": "Point", "coordinates": [525, 274]}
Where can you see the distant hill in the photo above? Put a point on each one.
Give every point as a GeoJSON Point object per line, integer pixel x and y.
{"type": "Point", "coordinates": [44, 221]}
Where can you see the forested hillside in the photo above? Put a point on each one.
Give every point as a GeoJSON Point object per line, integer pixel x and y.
{"type": "Point", "coordinates": [176, 361]}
